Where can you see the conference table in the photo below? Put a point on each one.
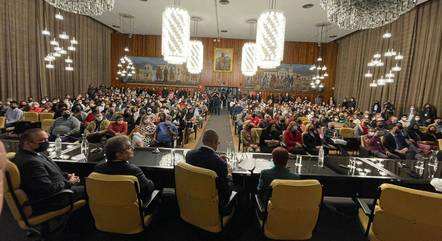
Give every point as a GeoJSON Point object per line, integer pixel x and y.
{"type": "Point", "coordinates": [340, 176]}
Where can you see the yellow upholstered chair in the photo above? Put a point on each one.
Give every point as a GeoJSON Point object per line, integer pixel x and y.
{"type": "Point", "coordinates": [47, 124]}
{"type": "Point", "coordinates": [403, 214]}
{"type": "Point", "coordinates": [423, 129]}
{"type": "Point", "coordinates": [292, 211]}
{"type": "Point", "coordinates": [117, 213]}
{"type": "Point", "coordinates": [45, 115]}
{"type": "Point", "coordinates": [30, 116]}
{"type": "Point", "coordinates": [440, 144]}
{"type": "Point", "coordinates": [347, 132]}
{"type": "Point", "coordinates": [2, 122]}
{"type": "Point", "coordinates": [21, 207]}
{"type": "Point", "coordinates": [198, 197]}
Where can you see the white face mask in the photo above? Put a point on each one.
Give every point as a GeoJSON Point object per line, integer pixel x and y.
{"type": "Point", "coordinates": [99, 118]}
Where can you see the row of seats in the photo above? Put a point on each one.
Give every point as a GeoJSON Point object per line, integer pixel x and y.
{"type": "Point", "coordinates": [290, 214]}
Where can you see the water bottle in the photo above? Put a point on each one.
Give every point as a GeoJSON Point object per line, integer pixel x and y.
{"type": "Point", "coordinates": [84, 146]}
{"type": "Point", "coordinates": [58, 147]}
{"type": "Point", "coordinates": [321, 157]}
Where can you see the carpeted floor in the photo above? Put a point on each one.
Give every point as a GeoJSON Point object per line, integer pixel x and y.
{"type": "Point", "coordinates": [221, 124]}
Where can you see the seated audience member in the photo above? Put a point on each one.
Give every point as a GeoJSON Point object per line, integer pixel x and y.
{"type": "Point", "coordinates": [312, 141]}
{"type": "Point", "coordinates": [40, 175]}
{"type": "Point", "coordinates": [96, 130]}
{"type": "Point", "coordinates": [432, 135]}
{"type": "Point", "coordinates": [119, 127]}
{"type": "Point", "coordinates": [428, 114]}
{"type": "Point", "coordinates": [206, 157]}
{"type": "Point", "coordinates": [166, 132]}
{"type": "Point", "coordinates": [144, 135]}
{"type": "Point", "coordinates": [13, 114]}
{"type": "Point", "coordinates": [330, 137]}
{"type": "Point", "coordinates": [417, 138]}
{"type": "Point", "coordinates": [119, 151]}
{"type": "Point", "coordinates": [78, 113]}
{"type": "Point", "coordinates": [270, 138]}
{"type": "Point", "coordinates": [396, 143]}
{"type": "Point", "coordinates": [66, 126]}
{"type": "Point", "coordinates": [404, 121]}
{"type": "Point", "coordinates": [375, 147]}
{"type": "Point", "coordinates": [293, 138]}
{"type": "Point", "coordinates": [247, 140]}
{"type": "Point", "coordinates": [361, 129]}
{"type": "Point", "coordinates": [280, 157]}
{"type": "Point", "coordinates": [35, 107]}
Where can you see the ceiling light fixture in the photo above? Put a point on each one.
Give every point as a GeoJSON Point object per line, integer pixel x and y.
{"type": "Point", "coordinates": [125, 65]}
{"type": "Point", "coordinates": [249, 65]}
{"type": "Point", "coordinates": [194, 63]}
{"type": "Point", "coordinates": [175, 34]}
{"type": "Point", "coordinates": [83, 7]}
{"type": "Point", "coordinates": [270, 37]}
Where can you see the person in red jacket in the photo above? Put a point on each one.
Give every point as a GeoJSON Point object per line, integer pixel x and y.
{"type": "Point", "coordinates": [293, 139]}
{"type": "Point", "coordinates": [119, 127]}
{"type": "Point", "coordinates": [36, 108]}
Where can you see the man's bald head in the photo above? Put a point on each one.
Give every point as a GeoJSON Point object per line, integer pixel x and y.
{"type": "Point", "coordinates": [210, 138]}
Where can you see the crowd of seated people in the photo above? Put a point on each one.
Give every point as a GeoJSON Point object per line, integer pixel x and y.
{"type": "Point", "coordinates": [303, 127]}
{"type": "Point", "coordinates": [148, 117]}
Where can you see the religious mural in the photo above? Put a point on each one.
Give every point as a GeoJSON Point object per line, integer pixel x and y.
{"type": "Point", "coordinates": [286, 77]}
{"type": "Point", "coordinates": [154, 70]}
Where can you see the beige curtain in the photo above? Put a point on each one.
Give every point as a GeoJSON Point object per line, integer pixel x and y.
{"type": "Point", "coordinates": [23, 48]}
{"type": "Point", "coordinates": [418, 36]}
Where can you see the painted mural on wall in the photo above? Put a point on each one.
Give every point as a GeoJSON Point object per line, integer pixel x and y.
{"type": "Point", "coordinates": [287, 77]}
{"type": "Point", "coordinates": [154, 70]}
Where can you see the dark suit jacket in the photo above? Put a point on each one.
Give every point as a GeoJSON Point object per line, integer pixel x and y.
{"type": "Point", "coordinates": [268, 175]}
{"type": "Point", "coordinates": [207, 158]}
{"type": "Point", "coordinates": [41, 177]}
{"type": "Point", "coordinates": [125, 168]}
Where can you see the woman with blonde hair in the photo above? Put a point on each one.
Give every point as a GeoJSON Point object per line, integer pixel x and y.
{"type": "Point", "coordinates": [312, 140]}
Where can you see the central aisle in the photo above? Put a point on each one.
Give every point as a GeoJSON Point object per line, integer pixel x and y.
{"type": "Point", "coordinates": [221, 124]}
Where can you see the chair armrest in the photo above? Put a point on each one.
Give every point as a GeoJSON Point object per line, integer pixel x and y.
{"type": "Point", "coordinates": [64, 191]}
{"type": "Point", "coordinates": [153, 196]}
{"type": "Point", "coordinates": [259, 204]}
{"type": "Point", "coordinates": [364, 207]}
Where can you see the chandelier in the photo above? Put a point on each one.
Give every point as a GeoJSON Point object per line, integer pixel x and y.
{"type": "Point", "coordinates": [195, 59]}
{"type": "Point", "coordinates": [270, 37]}
{"type": "Point", "coordinates": [319, 69]}
{"type": "Point", "coordinates": [84, 7]}
{"type": "Point", "coordinates": [175, 35]}
{"type": "Point", "coordinates": [364, 14]}
{"type": "Point", "coordinates": [61, 45]}
{"type": "Point", "coordinates": [125, 66]}
{"type": "Point", "coordinates": [248, 54]}
{"type": "Point", "coordinates": [381, 69]}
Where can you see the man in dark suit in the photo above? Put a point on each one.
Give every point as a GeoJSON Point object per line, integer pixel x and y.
{"type": "Point", "coordinates": [119, 151]}
{"type": "Point", "coordinates": [280, 157]}
{"type": "Point", "coordinates": [206, 157]}
{"type": "Point", "coordinates": [396, 143]}
{"type": "Point", "coordinates": [40, 176]}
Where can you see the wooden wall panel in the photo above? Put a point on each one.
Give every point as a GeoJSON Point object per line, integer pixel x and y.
{"type": "Point", "coordinates": [294, 53]}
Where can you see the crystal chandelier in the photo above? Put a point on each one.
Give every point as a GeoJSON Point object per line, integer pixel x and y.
{"type": "Point", "coordinates": [364, 14]}
{"type": "Point", "coordinates": [125, 66]}
{"type": "Point", "coordinates": [270, 38]}
{"type": "Point", "coordinates": [84, 7]}
{"type": "Point", "coordinates": [61, 45]}
{"type": "Point", "coordinates": [319, 68]}
{"type": "Point", "coordinates": [175, 35]}
{"type": "Point", "coordinates": [383, 65]}
{"type": "Point", "coordinates": [194, 63]}
{"type": "Point", "coordinates": [248, 55]}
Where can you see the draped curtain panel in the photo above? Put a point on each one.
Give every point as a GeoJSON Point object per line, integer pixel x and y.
{"type": "Point", "coordinates": [418, 36]}
{"type": "Point", "coordinates": [23, 48]}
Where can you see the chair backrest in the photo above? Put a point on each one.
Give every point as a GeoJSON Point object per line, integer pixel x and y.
{"type": "Point", "coordinates": [47, 124]}
{"type": "Point", "coordinates": [440, 144]}
{"type": "Point", "coordinates": [423, 129]}
{"type": "Point", "coordinates": [30, 116]}
{"type": "Point", "coordinates": [45, 115]}
{"type": "Point", "coordinates": [407, 214]}
{"type": "Point", "coordinates": [346, 132]}
{"type": "Point", "coordinates": [197, 196]}
{"type": "Point", "coordinates": [293, 209]}
{"type": "Point", "coordinates": [14, 195]}
{"type": "Point", "coordinates": [2, 122]}
{"type": "Point", "coordinates": [114, 203]}
{"type": "Point", "coordinates": [363, 141]}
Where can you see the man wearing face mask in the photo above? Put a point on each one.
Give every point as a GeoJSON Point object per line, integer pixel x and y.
{"type": "Point", "coordinates": [13, 114]}
{"type": "Point", "coordinates": [40, 175]}
{"type": "Point", "coordinates": [66, 126]}
{"type": "Point", "coordinates": [396, 143]}
{"type": "Point", "coordinates": [96, 130]}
